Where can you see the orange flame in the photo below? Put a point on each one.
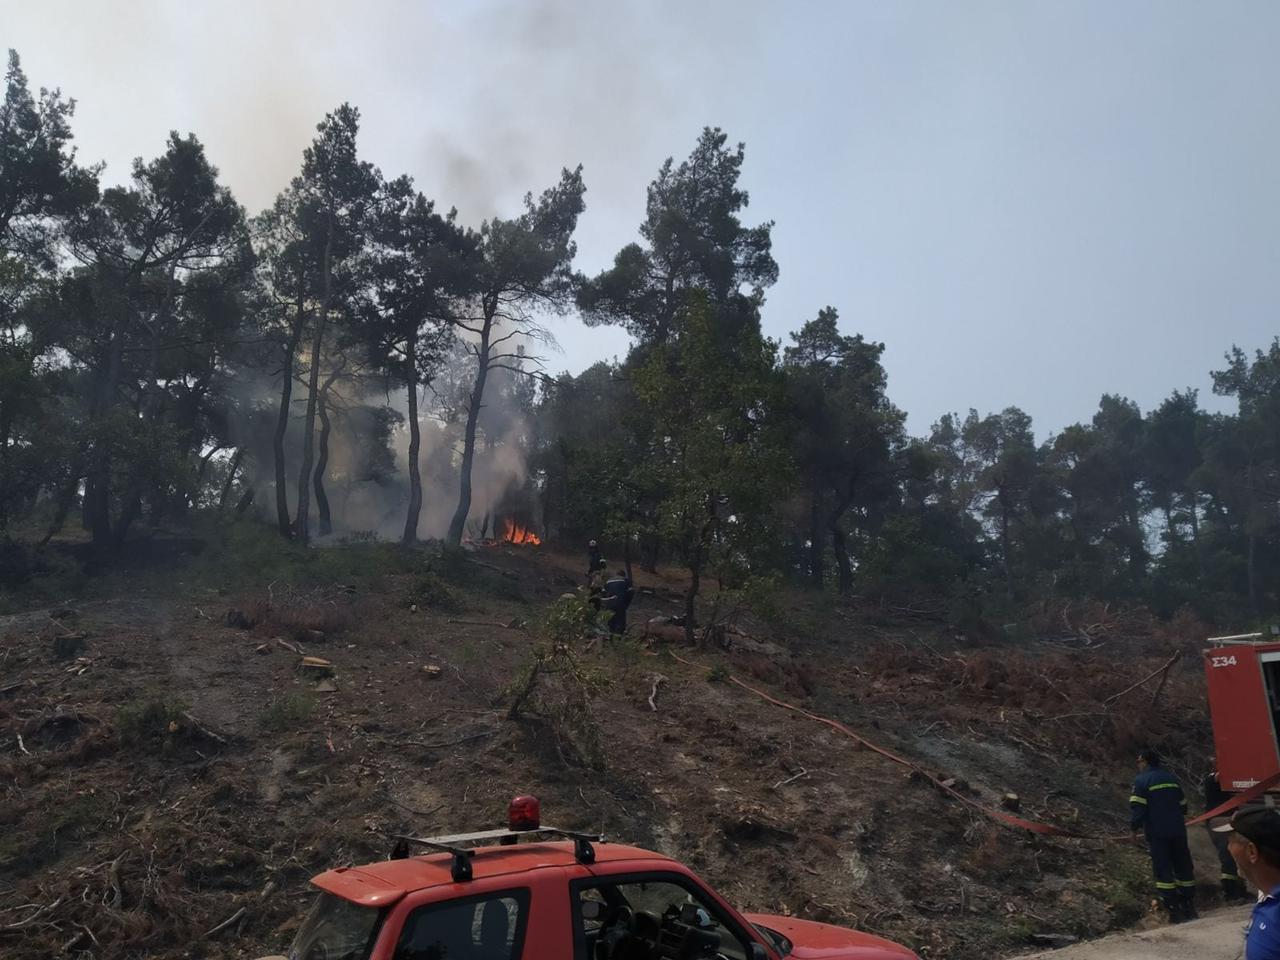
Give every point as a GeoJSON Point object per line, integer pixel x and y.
{"type": "Point", "coordinates": [514, 532]}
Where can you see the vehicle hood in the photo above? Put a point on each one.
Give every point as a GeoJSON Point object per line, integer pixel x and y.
{"type": "Point", "coordinates": [822, 941]}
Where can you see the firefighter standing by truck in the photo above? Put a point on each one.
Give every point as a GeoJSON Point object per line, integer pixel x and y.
{"type": "Point", "coordinates": [1158, 808]}
{"type": "Point", "coordinates": [1233, 888]}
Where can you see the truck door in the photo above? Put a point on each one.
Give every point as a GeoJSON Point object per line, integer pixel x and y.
{"type": "Point", "coordinates": [1243, 712]}
{"type": "Point", "coordinates": [518, 917]}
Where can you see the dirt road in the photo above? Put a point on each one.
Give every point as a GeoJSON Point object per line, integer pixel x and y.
{"type": "Point", "coordinates": [1217, 936]}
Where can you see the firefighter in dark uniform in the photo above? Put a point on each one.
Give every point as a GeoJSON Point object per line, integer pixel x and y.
{"type": "Point", "coordinates": [595, 562]}
{"type": "Point", "coordinates": [1158, 809]}
{"type": "Point", "coordinates": [1233, 888]}
{"type": "Point", "coordinates": [618, 594]}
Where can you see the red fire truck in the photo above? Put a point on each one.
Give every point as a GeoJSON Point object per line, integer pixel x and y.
{"type": "Point", "coordinates": [1243, 675]}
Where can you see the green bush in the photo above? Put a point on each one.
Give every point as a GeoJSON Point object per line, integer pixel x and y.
{"type": "Point", "coordinates": [431, 590]}
{"type": "Point", "coordinates": [150, 721]}
{"type": "Point", "coordinates": [288, 712]}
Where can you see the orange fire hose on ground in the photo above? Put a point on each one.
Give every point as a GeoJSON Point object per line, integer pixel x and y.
{"type": "Point", "coordinates": [1000, 816]}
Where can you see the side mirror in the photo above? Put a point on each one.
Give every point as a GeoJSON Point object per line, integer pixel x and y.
{"type": "Point", "coordinates": [757, 952]}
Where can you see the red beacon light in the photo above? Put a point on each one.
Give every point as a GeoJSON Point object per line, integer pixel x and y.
{"type": "Point", "coordinates": [524, 813]}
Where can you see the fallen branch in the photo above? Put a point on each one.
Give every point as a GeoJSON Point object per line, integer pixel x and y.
{"type": "Point", "coordinates": [47, 908]}
{"type": "Point", "coordinates": [417, 813]}
{"type": "Point", "coordinates": [231, 921]}
{"type": "Point", "coordinates": [84, 934]}
{"type": "Point", "coordinates": [658, 680]}
{"type": "Point", "coordinates": [280, 641]}
{"type": "Point", "coordinates": [204, 729]}
{"type": "Point", "coordinates": [782, 783]}
{"type": "Point", "coordinates": [485, 623]}
{"type": "Point", "coordinates": [449, 743]}
{"type": "Point", "coordinates": [115, 895]}
{"type": "Point", "coordinates": [1151, 676]}
{"type": "Point", "coordinates": [22, 746]}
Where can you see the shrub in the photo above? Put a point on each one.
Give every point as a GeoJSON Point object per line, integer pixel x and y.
{"type": "Point", "coordinates": [431, 590]}
{"type": "Point", "coordinates": [288, 712]}
{"type": "Point", "coordinates": [150, 721]}
{"type": "Point", "coordinates": [556, 685]}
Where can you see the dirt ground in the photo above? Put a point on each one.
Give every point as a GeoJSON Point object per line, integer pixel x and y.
{"type": "Point", "coordinates": [1217, 936]}
{"type": "Point", "coordinates": [171, 775]}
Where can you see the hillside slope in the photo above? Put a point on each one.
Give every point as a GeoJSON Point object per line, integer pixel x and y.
{"type": "Point", "coordinates": [176, 765]}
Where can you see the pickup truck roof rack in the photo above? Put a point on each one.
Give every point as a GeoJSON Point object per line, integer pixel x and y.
{"type": "Point", "coordinates": [460, 869]}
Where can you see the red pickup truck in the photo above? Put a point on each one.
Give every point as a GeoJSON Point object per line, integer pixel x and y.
{"type": "Point", "coordinates": [540, 893]}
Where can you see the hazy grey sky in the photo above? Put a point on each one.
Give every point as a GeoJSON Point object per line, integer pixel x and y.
{"type": "Point", "coordinates": [1031, 203]}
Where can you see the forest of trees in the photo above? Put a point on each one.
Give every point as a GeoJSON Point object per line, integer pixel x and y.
{"type": "Point", "coordinates": [354, 359]}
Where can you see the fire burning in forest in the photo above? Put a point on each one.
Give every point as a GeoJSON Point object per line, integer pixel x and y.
{"type": "Point", "coordinates": [515, 532]}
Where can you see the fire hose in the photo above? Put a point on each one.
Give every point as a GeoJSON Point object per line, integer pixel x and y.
{"type": "Point", "coordinates": [949, 788]}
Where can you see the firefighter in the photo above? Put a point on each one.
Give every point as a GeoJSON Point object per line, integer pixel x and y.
{"type": "Point", "coordinates": [595, 562]}
{"type": "Point", "coordinates": [618, 594]}
{"type": "Point", "coordinates": [1253, 837]}
{"type": "Point", "coordinates": [1158, 808]}
{"type": "Point", "coordinates": [1214, 796]}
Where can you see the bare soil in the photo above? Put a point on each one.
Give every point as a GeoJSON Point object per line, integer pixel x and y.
{"type": "Point", "coordinates": [177, 768]}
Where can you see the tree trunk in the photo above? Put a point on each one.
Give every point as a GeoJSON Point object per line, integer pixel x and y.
{"type": "Point", "coordinates": [844, 568]}
{"type": "Point", "coordinates": [690, 596]}
{"type": "Point", "coordinates": [459, 521]}
{"type": "Point", "coordinates": [322, 465]}
{"type": "Point", "coordinates": [1195, 532]}
{"type": "Point", "coordinates": [1252, 571]}
{"type": "Point", "coordinates": [132, 508]}
{"type": "Point", "coordinates": [231, 478]}
{"type": "Point", "coordinates": [415, 446]}
{"type": "Point", "coordinates": [245, 502]}
{"type": "Point", "coordinates": [66, 496]}
{"type": "Point", "coordinates": [1004, 544]}
{"type": "Point", "coordinates": [649, 548]}
{"type": "Point", "coordinates": [97, 501]}
{"type": "Point", "coordinates": [6, 427]}
{"type": "Point", "coordinates": [815, 537]}
{"type": "Point", "coordinates": [302, 526]}
{"type": "Point", "coordinates": [283, 520]}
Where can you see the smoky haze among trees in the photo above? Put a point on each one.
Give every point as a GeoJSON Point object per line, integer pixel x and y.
{"type": "Point", "coordinates": [353, 361]}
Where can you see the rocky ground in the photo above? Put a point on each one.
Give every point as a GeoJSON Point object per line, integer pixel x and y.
{"type": "Point", "coordinates": [171, 772]}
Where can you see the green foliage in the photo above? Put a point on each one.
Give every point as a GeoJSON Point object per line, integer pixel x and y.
{"type": "Point", "coordinates": [248, 553]}
{"type": "Point", "coordinates": [1125, 884]}
{"type": "Point", "coordinates": [719, 460]}
{"type": "Point", "coordinates": [557, 685]}
{"type": "Point", "coordinates": [455, 566]}
{"type": "Point", "coordinates": [150, 722]}
{"type": "Point", "coordinates": [844, 436]}
{"type": "Point", "coordinates": [430, 590]}
{"type": "Point", "coordinates": [142, 325]}
{"type": "Point", "coordinates": [289, 712]}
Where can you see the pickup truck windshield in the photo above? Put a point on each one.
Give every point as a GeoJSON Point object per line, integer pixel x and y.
{"type": "Point", "coordinates": [335, 929]}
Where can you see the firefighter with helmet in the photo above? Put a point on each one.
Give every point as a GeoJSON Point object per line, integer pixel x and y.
{"type": "Point", "coordinates": [1158, 808]}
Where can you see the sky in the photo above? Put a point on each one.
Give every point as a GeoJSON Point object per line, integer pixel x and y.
{"type": "Point", "coordinates": [1030, 203]}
